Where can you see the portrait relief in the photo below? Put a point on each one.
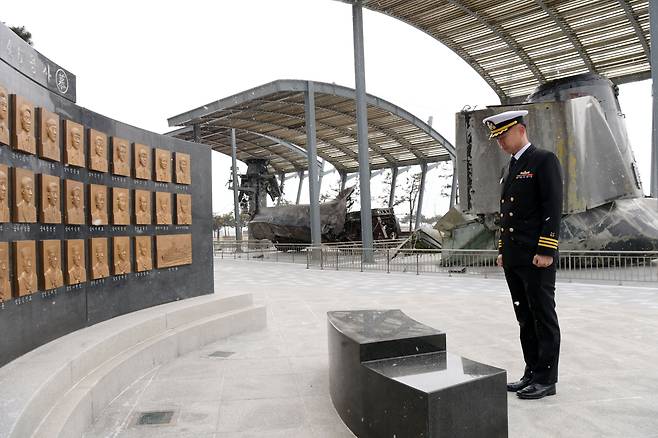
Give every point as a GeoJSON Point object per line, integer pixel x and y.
{"type": "Point", "coordinates": [121, 255]}
{"type": "Point", "coordinates": [162, 165]}
{"type": "Point", "coordinates": [143, 207]}
{"type": "Point", "coordinates": [97, 151]}
{"type": "Point", "coordinates": [98, 201]}
{"type": "Point", "coordinates": [173, 250]}
{"type": "Point", "coordinates": [4, 193]}
{"type": "Point", "coordinates": [48, 135]}
{"type": "Point", "coordinates": [25, 264]}
{"type": "Point", "coordinates": [51, 252]}
{"type": "Point", "coordinates": [98, 256]}
{"type": "Point", "coordinates": [4, 116]}
{"type": "Point", "coordinates": [75, 262]}
{"type": "Point", "coordinates": [120, 157]}
{"type": "Point", "coordinates": [74, 152]}
{"type": "Point", "coordinates": [51, 212]}
{"type": "Point", "coordinates": [183, 175]}
{"type": "Point", "coordinates": [142, 161]}
{"type": "Point", "coordinates": [5, 285]}
{"type": "Point", "coordinates": [183, 209]}
{"type": "Point", "coordinates": [23, 137]}
{"type": "Point", "coordinates": [143, 253]}
{"type": "Point", "coordinates": [120, 207]}
{"type": "Point", "coordinates": [75, 202]}
{"type": "Point", "coordinates": [24, 208]}
{"type": "Point", "coordinates": [163, 208]}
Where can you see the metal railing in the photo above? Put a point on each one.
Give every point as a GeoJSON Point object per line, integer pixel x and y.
{"type": "Point", "coordinates": [592, 266]}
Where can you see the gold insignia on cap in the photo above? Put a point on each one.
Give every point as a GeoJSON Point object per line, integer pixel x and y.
{"type": "Point", "coordinates": [491, 125]}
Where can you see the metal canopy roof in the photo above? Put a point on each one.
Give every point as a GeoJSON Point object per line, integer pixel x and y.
{"type": "Point", "coordinates": [270, 123]}
{"type": "Point", "coordinates": [516, 45]}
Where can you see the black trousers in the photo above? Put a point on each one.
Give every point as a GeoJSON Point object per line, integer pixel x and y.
{"type": "Point", "coordinates": [533, 296]}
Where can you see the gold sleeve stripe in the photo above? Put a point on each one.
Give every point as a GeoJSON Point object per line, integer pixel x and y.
{"type": "Point", "coordinates": [502, 128]}
{"type": "Point", "coordinates": [548, 239]}
{"type": "Point", "coordinates": [547, 245]}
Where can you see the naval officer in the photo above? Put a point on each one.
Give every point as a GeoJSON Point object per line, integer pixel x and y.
{"type": "Point", "coordinates": [530, 211]}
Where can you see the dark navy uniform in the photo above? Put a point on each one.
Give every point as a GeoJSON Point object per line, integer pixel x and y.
{"type": "Point", "coordinates": [530, 212]}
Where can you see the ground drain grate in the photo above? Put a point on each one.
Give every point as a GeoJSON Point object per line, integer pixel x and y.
{"type": "Point", "coordinates": [155, 417]}
{"type": "Point", "coordinates": [221, 354]}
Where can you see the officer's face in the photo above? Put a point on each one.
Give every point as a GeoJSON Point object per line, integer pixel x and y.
{"type": "Point", "coordinates": [512, 140]}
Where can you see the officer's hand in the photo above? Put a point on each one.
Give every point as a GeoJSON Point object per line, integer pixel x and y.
{"type": "Point", "coordinates": [542, 261]}
{"type": "Point", "coordinates": [499, 260]}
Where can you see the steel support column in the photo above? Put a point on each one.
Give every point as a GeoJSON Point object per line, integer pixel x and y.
{"type": "Point", "coordinates": [301, 183]}
{"type": "Point", "coordinates": [394, 178]}
{"type": "Point", "coordinates": [453, 187]}
{"type": "Point", "coordinates": [311, 148]}
{"type": "Point", "coordinates": [236, 184]}
{"type": "Point", "coordinates": [343, 180]}
{"type": "Point", "coordinates": [421, 193]}
{"type": "Point", "coordinates": [653, 16]}
{"type": "Point", "coordinates": [362, 130]}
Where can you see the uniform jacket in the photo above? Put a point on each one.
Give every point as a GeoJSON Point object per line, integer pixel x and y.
{"type": "Point", "coordinates": [530, 208]}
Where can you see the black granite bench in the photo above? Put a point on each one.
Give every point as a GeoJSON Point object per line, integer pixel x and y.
{"type": "Point", "coordinates": [391, 376]}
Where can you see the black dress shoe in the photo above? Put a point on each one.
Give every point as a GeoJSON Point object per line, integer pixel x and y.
{"type": "Point", "coordinates": [519, 385]}
{"type": "Point", "coordinates": [536, 391]}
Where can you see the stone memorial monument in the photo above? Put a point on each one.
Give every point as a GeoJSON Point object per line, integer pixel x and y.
{"type": "Point", "coordinates": [48, 135]}
{"type": "Point", "coordinates": [24, 209]}
{"type": "Point", "coordinates": [97, 151]}
{"type": "Point", "coordinates": [98, 257]}
{"type": "Point", "coordinates": [23, 128]}
{"type": "Point", "coordinates": [51, 212]}
{"type": "Point", "coordinates": [51, 251]}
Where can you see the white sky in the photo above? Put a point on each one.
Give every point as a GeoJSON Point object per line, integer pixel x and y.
{"type": "Point", "coordinates": [142, 62]}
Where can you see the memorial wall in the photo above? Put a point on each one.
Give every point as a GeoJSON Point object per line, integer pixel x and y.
{"type": "Point", "coordinates": [97, 218]}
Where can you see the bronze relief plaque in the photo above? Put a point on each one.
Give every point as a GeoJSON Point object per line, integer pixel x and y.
{"type": "Point", "coordinates": [120, 206]}
{"type": "Point", "coordinates": [23, 138]}
{"type": "Point", "coordinates": [74, 193]}
{"type": "Point", "coordinates": [183, 209]}
{"type": "Point", "coordinates": [75, 261]}
{"type": "Point", "coordinates": [173, 250]}
{"type": "Point", "coordinates": [98, 202]}
{"type": "Point", "coordinates": [50, 212]}
{"type": "Point", "coordinates": [143, 207]}
{"type": "Point", "coordinates": [74, 152]}
{"type": "Point", "coordinates": [98, 257]}
{"type": "Point", "coordinates": [4, 116]}
{"type": "Point", "coordinates": [97, 151]}
{"type": "Point", "coordinates": [163, 208]}
{"type": "Point", "coordinates": [121, 255]}
{"type": "Point", "coordinates": [162, 165]}
{"type": "Point", "coordinates": [4, 193]}
{"type": "Point", "coordinates": [25, 265]}
{"type": "Point", "coordinates": [142, 161]}
{"type": "Point", "coordinates": [48, 135]}
{"type": "Point", "coordinates": [143, 253]}
{"type": "Point", "coordinates": [5, 285]}
{"type": "Point", "coordinates": [183, 175]}
{"type": "Point", "coordinates": [120, 157]}
{"type": "Point", "coordinates": [51, 253]}
{"type": "Point", "coordinates": [24, 209]}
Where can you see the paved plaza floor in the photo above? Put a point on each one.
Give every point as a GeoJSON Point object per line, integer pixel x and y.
{"type": "Point", "coordinates": [274, 383]}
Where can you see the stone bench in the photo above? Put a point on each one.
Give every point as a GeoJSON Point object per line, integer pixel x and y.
{"type": "Point", "coordinates": [391, 376]}
{"type": "Point", "coordinates": [58, 389]}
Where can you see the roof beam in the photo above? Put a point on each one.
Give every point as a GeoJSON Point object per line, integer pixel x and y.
{"type": "Point", "coordinates": [636, 26]}
{"type": "Point", "coordinates": [568, 32]}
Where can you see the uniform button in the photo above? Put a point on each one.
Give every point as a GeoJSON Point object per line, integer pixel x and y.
{"type": "Point", "coordinates": [511, 230]}
{"type": "Point", "coordinates": [502, 201]}
{"type": "Point", "coordinates": [502, 215]}
{"type": "Point", "coordinates": [511, 213]}
{"type": "Point", "coordinates": [511, 199]}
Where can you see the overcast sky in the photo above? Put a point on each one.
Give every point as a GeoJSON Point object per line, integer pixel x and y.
{"type": "Point", "coordinates": [142, 62]}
